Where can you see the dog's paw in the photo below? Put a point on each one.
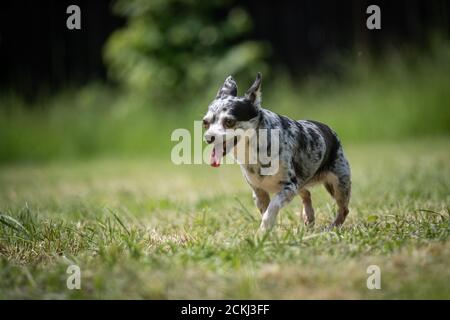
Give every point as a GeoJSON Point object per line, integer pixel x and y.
{"type": "Point", "coordinates": [308, 223]}
{"type": "Point", "coordinates": [262, 229]}
{"type": "Point", "coordinates": [265, 226]}
{"type": "Point", "coordinates": [262, 233]}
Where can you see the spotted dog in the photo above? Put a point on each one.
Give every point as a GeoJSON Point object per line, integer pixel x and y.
{"type": "Point", "coordinates": [308, 153]}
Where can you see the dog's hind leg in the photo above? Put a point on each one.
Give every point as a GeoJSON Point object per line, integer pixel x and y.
{"type": "Point", "coordinates": [338, 184]}
{"type": "Point", "coordinates": [261, 198]}
{"type": "Point", "coordinates": [339, 187]}
{"type": "Point", "coordinates": [308, 210]}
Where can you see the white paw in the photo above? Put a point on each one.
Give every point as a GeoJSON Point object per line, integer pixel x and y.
{"type": "Point", "coordinates": [266, 225]}
{"type": "Point", "coordinates": [262, 228]}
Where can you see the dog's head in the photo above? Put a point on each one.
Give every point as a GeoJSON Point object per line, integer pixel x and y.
{"type": "Point", "coordinates": [229, 116]}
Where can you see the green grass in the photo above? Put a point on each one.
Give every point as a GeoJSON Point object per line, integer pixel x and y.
{"type": "Point", "coordinates": [143, 228]}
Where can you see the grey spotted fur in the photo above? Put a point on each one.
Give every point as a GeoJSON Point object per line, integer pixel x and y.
{"type": "Point", "coordinates": [309, 153]}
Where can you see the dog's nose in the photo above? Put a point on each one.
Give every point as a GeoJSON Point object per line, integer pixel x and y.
{"type": "Point", "coordinates": [209, 138]}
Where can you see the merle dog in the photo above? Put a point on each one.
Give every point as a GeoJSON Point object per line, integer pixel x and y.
{"type": "Point", "coordinates": [308, 152]}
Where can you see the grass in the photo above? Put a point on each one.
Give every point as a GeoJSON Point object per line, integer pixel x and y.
{"type": "Point", "coordinates": [144, 228]}
{"type": "Point", "coordinates": [85, 179]}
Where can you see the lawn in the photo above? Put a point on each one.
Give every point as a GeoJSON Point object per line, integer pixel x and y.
{"type": "Point", "coordinates": [145, 228]}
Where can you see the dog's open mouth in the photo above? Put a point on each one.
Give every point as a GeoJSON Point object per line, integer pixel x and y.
{"type": "Point", "coordinates": [220, 150]}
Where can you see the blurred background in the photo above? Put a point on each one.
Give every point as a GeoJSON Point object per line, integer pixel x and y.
{"type": "Point", "coordinates": [139, 69]}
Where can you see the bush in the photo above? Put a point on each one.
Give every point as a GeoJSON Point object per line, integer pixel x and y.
{"type": "Point", "coordinates": [171, 48]}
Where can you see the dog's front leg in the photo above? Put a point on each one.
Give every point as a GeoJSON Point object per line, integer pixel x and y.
{"type": "Point", "coordinates": [278, 201]}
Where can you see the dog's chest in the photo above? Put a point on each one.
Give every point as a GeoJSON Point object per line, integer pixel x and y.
{"type": "Point", "coordinates": [268, 183]}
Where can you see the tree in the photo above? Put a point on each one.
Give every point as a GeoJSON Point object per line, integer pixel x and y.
{"type": "Point", "coordinates": [172, 49]}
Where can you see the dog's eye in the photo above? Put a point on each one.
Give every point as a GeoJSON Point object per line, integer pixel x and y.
{"type": "Point", "coordinates": [229, 123]}
{"type": "Point", "coordinates": [205, 124]}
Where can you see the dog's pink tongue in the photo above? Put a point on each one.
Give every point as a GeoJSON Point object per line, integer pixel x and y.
{"type": "Point", "coordinates": [215, 160]}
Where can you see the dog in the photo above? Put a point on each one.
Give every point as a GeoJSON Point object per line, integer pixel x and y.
{"type": "Point", "coordinates": [308, 153]}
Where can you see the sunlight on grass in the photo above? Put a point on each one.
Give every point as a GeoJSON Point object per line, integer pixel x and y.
{"type": "Point", "coordinates": [149, 229]}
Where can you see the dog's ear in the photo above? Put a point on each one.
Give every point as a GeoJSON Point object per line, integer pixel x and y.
{"type": "Point", "coordinates": [229, 88]}
{"type": "Point", "coordinates": [254, 93]}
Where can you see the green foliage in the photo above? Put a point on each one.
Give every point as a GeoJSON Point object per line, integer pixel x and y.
{"type": "Point", "coordinates": [406, 92]}
{"type": "Point", "coordinates": [172, 49]}
{"type": "Point", "coordinates": [403, 96]}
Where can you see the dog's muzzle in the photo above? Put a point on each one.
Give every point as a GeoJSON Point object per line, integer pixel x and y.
{"type": "Point", "coordinates": [221, 147]}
